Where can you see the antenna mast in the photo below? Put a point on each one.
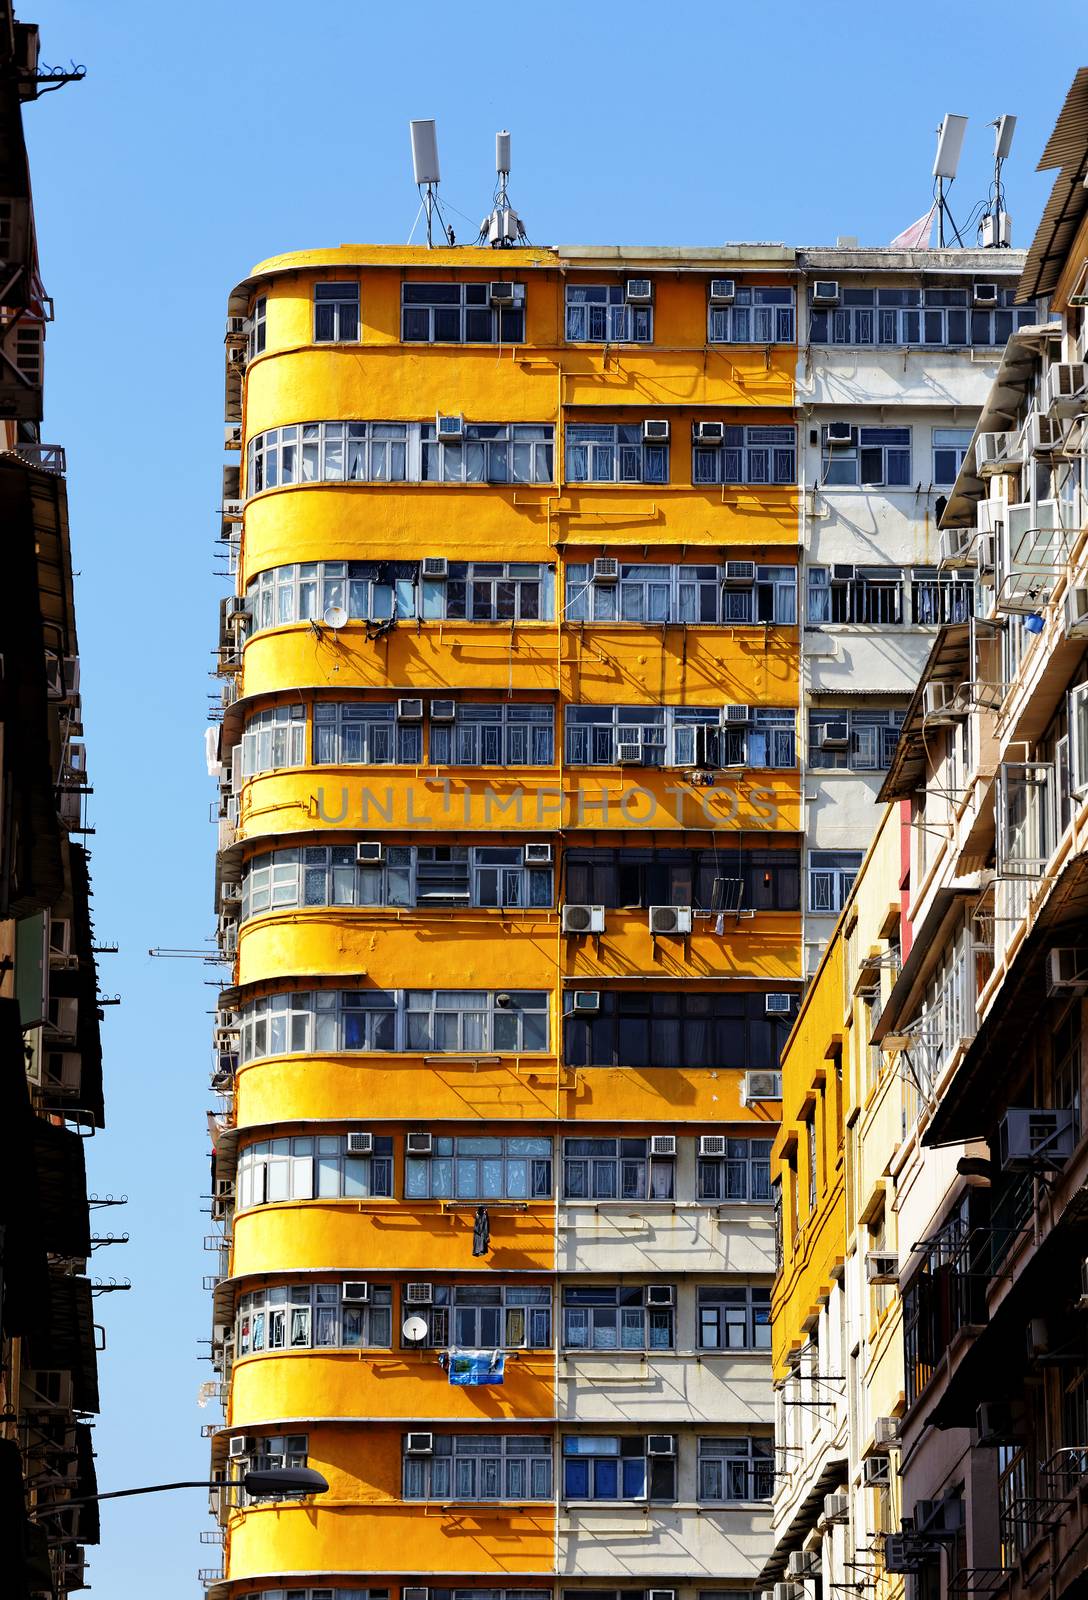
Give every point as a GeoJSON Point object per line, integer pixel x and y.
{"type": "Point", "coordinates": [949, 145]}
{"type": "Point", "coordinates": [996, 226]}
{"type": "Point", "coordinates": [426, 172]}
{"type": "Point", "coordinates": [502, 227]}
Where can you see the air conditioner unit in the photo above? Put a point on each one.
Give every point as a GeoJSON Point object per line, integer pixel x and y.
{"type": "Point", "coordinates": [876, 1472]}
{"type": "Point", "coordinates": [825, 292]}
{"type": "Point", "coordinates": [661, 1594]}
{"type": "Point", "coordinates": [606, 569]}
{"type": "Point", "coordinates": [232, 436]}
{"type": "Point", "coordinates": [1035, 1136]}
{"type": "Point", "coordinates": [996, 1424]}
{"type": "Point", "coordinates": [900, 1553]}
{"type": "Point", "coordinates": [840, 433]}
{"type": "Point", "coordinates": [939, 702]}
{"type": "Point", "coordinates": [1076, 613]}
{"type": "Point", "coordinates": [777, 1005]}
{"type": "Point", "coordinates": [638, 292]}
{"type": "Point", "coordinates": [435, 567]}
{"type": "Point", "coordinates": [356, 1291]}
{"type": "Point", "coordinates": [501, 292]}
{"type": "Point", "coordinates": [670, 919]}
{"type": "Point", "coordinates": [881, 1267]}
{"type": "Point", "coordinates": [836, 1507]}
{"type": "Point", "coordinates": [660, 1294]}
{"type": "Point", "coordinates": [734, 716]}
{"type": "Point", "coordinates": [788, 1591]}
{"type": "Point", "coordinates": [238, 613]}
{"type": "Point", "coordinates": [410, 710]}
{"type": "Point", "coordinates": [984, 294]}
{"type": "Point", "coordinates": [369, 852]}
{"type": "Point", "coordinates": [231, 893]}
{"type": "Point", "coordinates": [413, 1591]}
{"type": "Point", "coordinates": [418, 1144]}
{"type": "Point", "coordinates": [885, 1433]}
{"type": "Point", "coordinates": [582, 919]}
{"type": "Point", "coordinates": [419, 1444]}
{"type": "Point", "coordinates": [834, 736]}
{"type": "Point", "coordinates": [586, 1002]}
{"type": "Point", "coordinates": [1066, 970]}
{"type": "Point", "coordinates": [233, 510]}
{"type": "Point", "coordinates": [738, 574]}
{"type": "Point", "coordinates": [360, 1143]}
{"type": "Point", "coordinates": [240, 1444]}
{"type": "Point", "coordinates": [662, 1144]}
{"type": "Point", "coordinates": [237, 357]}
{"type": "Point", "coordinates": [443, 710]}
{"type": "Point", "coordinates": [448, 429]}
{"type": "Point", "coordinates": [708, 433]}
{"type": "Point", "coordinates": [628, 754]}
{"type": "Point", "coordinates": [985, 553]}
{"type": "Point", "coordinates": [992, 450]}
{"type": "Point", "coordinates": [661, 1444]}
{"type": "Point", "coordinates": [801, 1564]}
{"type": "Point", "coordinates": [655, 430]}
{"type": "Point", "coordinates": [237, 327]}
{"type": "Point", "coordinates": [1064, 385]}
{"type": "Point", "coordinates": [842, 572]}
{"type": "Point", "coordinates": [537, 855]}
{"type": "Point", "coordinates": [1044, 433]}
{"type": "Point", "coordinates": [759, 1086]}
{"type": "Point", "coordinates": [712, 1144]}
{"type": "Point", "coordinates": [723, 291]}
{"type": "Point", "coordinates": [64, 1016]}
{"type": "Point", "coordinates": [224, 1189]}
{"type": "Point", "coordinates": [954, 547]}
{"type": "Point", "coordinates": [418, 1294]}
{"type": "Point", "coordinates": [226, 1021]}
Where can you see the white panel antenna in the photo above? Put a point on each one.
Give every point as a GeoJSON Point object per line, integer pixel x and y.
{"type": "Point", "coordinates": [995, 229]}
{"type": "Point", "coordinates": [502, 226]}
{"type": "Point", "coordinates": [949, 145]}
{"type": "Point", "coordinates": [427, 175]}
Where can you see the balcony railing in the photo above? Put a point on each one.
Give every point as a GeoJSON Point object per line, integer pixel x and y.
{"type": "Point", "coordinates": [49, 456]}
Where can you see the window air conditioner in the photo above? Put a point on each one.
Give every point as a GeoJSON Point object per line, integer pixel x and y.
{"type": "Point", "coordinates": [443, 710]}
{"type": "Point", "coordinates": [662, 1144]}
{"type": "Point", "coordinates": [661, 1444]}
{"type": "Point", "coordinates": [723, 291]}
{"type": "Point", "coordinates": [899, 1553]}
{"type": "Point", "coordinates": [836, 1507]}
{"type": "Point", "coordinates": [414, 1592]}
{"type": "Point", "coordinates": [240, 1444]}
{"type": "Point", "coordinates": [224, 1188]}
{"type": "Point", "coordinates": [233, 510]}
{"type": "Point", "coordinates": [939, 702]}
{"type": "Point", "coordinates": [448, 429]}
{"type": "Point", "coordinates": [409, 710]}
{"type": "Point", "coordinates": [777, 1005]}
{"type": "Point", "coordinates": [840, 433]}
{"type": "Point", "coordinates": [825, 292]}
{"type": "Point", "coordinates": [985, 294]}
{"type": "Point", "coordinates": [418, 1294]}
{"type": "Point", "coordinates": [738, 574]}
{"type": "Point", "coordinates": [1066, 970]}
{"type": "Point", "coordinates": [236, 327]}
{"type": "Point", "coordinates": [1044, 433]}
{"type": "Point", "coordinates": [237, 357]}
{"type": "Point", "coordinates": [660, 1294]}
{"type": "Point", "coordinates": [834, 736]}
{"type": "Point", "coordinates": [985, 552]}
{"type": "Point", "coordinates": [501, 292]}
{"type": "Point", "coordinates": [670, 919]}
{"type": "Point", "coordinates": [954, 547]}
{"type": "Point", "coordinates": [842, 572]}
{"type": "Point", "coordinates": [734, 716]}
{"type": "Point", "coordinates": [661, 1594]}
{"type": "Point", "coordinates": [238, 613]}
{"type": "Point", "coordinates": [708, 433]}
{"type": "Point", "coordinates": [418, 1144]}
{"type": "Point", "coordinates": [759, 1086]}
{"type": "Point", "coordinates": [996, 1424]}
{"type": "Point", "coordinates": [360, 1143]}
{"type": "Point", "coordinates": [788, 1591]}
{"type": "Point", "coordinates": [435, 567]}
{"type": "Point", "coordinates": [419, 1444]}
{"type": "Point", "coordinates": [606, 569]}
{"type": "Point", "coordinates": [629, 754]}
{"type": "Point", "coordinates": [231, 893]}
{"type": "Point", "coordinates": [1064, 386]}
{"type": "Point", "coordinates": [582, 919]}
{"type": "Point", "coordinates": [712, 1144]}
{"type": "Point", "coordinates": [885, 1433]}
{"type": "Point", "coordinates": [232, 436]}
{"type": "Point", "coordinates": [1076, 613]}
{"type": "Point", "coordinates": [992, 450]}
{"type": "Point", "coordinates": [586, 1002]}
{"type": "Point", "coordinates": [1035, 1136]}
{"type": "Point", "coordinates": [368, 852]}
{"type": "Point", "coordinates": [876, 1472]}
{"type": "Point", "coordinates": [537, 855]}
{"type": "Point", "coordinates": [356, 1291]}
{"type": "Point", "coordinates": [881, 1266]}
{"type": "Point", "coordinates": [801, 1564]}
{"type": "Point", "coordinates": [655, 430]}
{"type": "Point", "coordinates": [638, 292]}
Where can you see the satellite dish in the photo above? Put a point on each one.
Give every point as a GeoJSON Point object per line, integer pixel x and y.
{"type": "Point", "coordinates": [415, 1330]}
{"type": "Point", "coordinates": [335, 617]}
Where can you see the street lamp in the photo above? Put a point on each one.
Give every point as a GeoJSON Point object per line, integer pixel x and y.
{"type": "Point", "coordinates": [274, 1483]}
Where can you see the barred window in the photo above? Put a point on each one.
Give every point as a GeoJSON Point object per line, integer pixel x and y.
{"type": "Point", "coordinates": [604, 1317]}
{"type": "Point", "coordinates": [504, 735]}
{"type": "Point", "coordinates": [313, 1167]}
{"type": "Point", "coordinates": [471, 1167]}
{"type": "Point", "coordinates": [598, 313]}
{"type": "Point", "coordinates": [937, 598]}
{"type": "Point", "coordinates": [743, 1173]}
{"type": "Point", "coordinates": [656, 592]}
{"type": "Point", "coordinates": [614, 453]}
{"type": "Point", "coordinates": [492, 591]}
{"type": "Point", "coordinates": [480, 1466]}
{"type": "Point", "coordinates": [861, 741]}
{"type": "Point", "coordinates": [486, 1317]}
{"type": "Point", "coordinates": [747, 455]}
{"type": "Point", "coordinates": [364, 733]}
{"type": "Point", "coordinates": [318, 1316]}
{"type": "Point", "coordinates": [274, 738]}
{"type": "Point", "coordinates": [270, 1453]}
{"type": "Point", "coordinates": [616, 1169]}
{"type": "Point", "coordinates": [734, 1317]}
{"type": "Point", "coordinates": [758, 315]}
{"type": "Point", "coordinates": [831, 875]}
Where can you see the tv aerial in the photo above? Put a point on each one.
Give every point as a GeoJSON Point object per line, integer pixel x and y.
{"type": "Point", "coordinates": [427, 175]}
{"type": "Point", "coordinates": [945, 165]}
{"type": "Point", "coordinates": [502, 227]}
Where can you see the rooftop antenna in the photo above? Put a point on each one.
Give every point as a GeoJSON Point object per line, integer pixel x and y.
{"type": "Point", "coordinates": [502, 227]}
{"type": "Point", "coordinates": [426, 172]}
{"type": "Point", "coordinates": [996, 227]}
{"type": "Point", "coordinates": [946, 162]}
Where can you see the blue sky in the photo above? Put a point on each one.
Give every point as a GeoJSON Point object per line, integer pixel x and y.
{"type": "Point", "coordinates": [208, 136]}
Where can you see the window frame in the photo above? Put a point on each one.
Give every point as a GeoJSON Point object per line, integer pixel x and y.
{"type": "Point", "coordinates": [723, 322]}
{"type": "Point", "coordinates": [621, 444]}
{"type": "Point", "coordinates": [675, 1029]}
{"type": "Point", "coordinates": [839, 877]}
{"type": "Point", "coordinates": [875, 446]}
{"type": "Point", "coordinates": [519, 578]}
{"type": "Point", "coordinates": [630, 1448]}
{"type": "Point", "coordinates": [506, 324]}
{"type": "Point", "coordinates": [508, 1447]}
{"type": "Point", "coordinates": [426, 1177]}
{"type": "Point", "coordinates": [307, 1168]}
{"type": "Point", "coordinates": [635, 324]}
{"type": "Point", "coordinates": [746, 1163]}
{"type": "Point", "coordinates": [636, 1173]}
{"type": "Point", "coordinates": [513, 1302]}
{"type": "Point", "coordinates": [638, 1327]}
{"type": "Point", "coordinates": [672, 589]}
{"type": "Point", "coordinates": [277, 1304]}
{"type": "Point", "coordinates": [342, 305]}
{"type": "Point", "coordinates": [381, 1019]}
{"type": "Point", "coordinates": [712, 1307]}
{"type": "Point", "coordinates": [758, 1469]}
{"type": "Point", "coordinates": [735, 460]}
{"type": "Point", "coordinates": [878, 730]}
{"type": "Point", "coordinates": [667, 736]}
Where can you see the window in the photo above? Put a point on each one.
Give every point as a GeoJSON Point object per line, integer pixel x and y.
{"type": "Point", "coordinates": [616, 1467]}
{"type": "Point", "coordinates": [325, 1593]}
{"type": "Point", "coordinates": [364, 733]}
{"type": "Point", "coordinates": [863, 741]}
{"type": "Point", "coordinates": [313, 1317]}
{"type": "Point", "coordinates": [489, 452]}
{"type": "Point", "coordinates": [678, 736]}
{"type": "Point", "coordinates": [872, 595]}
{"type": "Point", "coordinates": [312, 1167]}
{"type": "Point", "coordinates": [492, 591]}
{"type": "Point", "coordinates": [336, 312]}
{"type": "Point", "coordinates": [654, 592]}
{"type": "Point", "coordinates": [937, 598]}
{"type": "Point", "coordinates": [743, 1173]}
{"type": "Point", "coordinates": [677, 1029]}
{"type": "Point", "coordinates": [406, 875]}
{"type": "Point", "coordinates": [879, 458]}
{"type": "Point", "coordinates": [459, 313]}
{"type": "Point", "coordinates": [909, 316]}
{"type": "Point", "coordinates": [736, 1469]}
{"type": "Point", "coordinates": [346, 1020]}
{"type": "Point", "coordinates": [747, 455]}
{"type": "Point", "coordinates": [1065, 1065]}
{"type": "Point", "coordinates": [485, 1317]}
{"type": "Point", "coordinates": [1025, 818]}
{"type": "Point", "coordinates": [615, 1169]}
{"type": "Point", "coordinates": [481, 1466]}
{"type": "Point", "coordinates": [475, 1167]}
{"type": "Point", "coordinates": [505, 735]}
{"type": "Point", "coordinates": [607, 1318]}
{"type": "Point", "coordinates": [598, 313]}
{"type": "Point", "coordinates": [734, 1317]}
{"type": "Point", "coordinates": [709, 880]}
{"type": "Point", "coordinates": [614, 453]}
{"type": "Point", "coordinates": [369, 591]}
{"type": "Point", "coordinates": [270, 1454]}
{"type": "Point", "coordinates": [274, 738]}
{"type": "Point", "coordinates": [258, 327]}
{"type": "Point", "coordinates": [1078, 739]}
{"type": "Point", "coordinates": [949, 448]}
{"type": "Point", "coordinates": [810, 1139]}
{"type": "Point", "coordinates": [757, 316]}
{"type": "Point", "coordinates": [831, 874]}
